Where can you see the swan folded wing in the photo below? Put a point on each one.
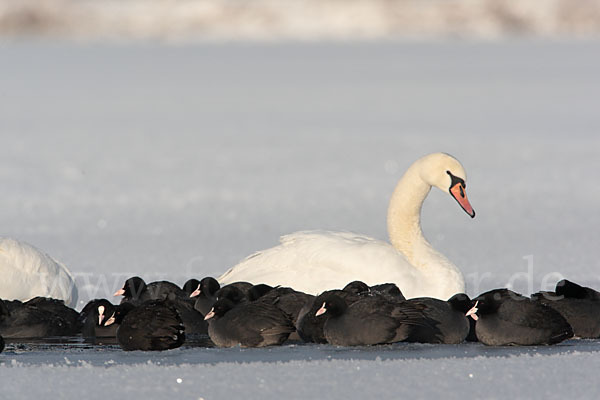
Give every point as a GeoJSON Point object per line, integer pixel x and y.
{"type": "Point", "coordinates": [314, 261]}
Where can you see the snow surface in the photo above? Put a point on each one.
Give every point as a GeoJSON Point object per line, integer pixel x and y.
{"type": "Point", "coordinates": [176, 162]}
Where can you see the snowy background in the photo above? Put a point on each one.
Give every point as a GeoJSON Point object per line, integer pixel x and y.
{"type": "Point", "coordinates": [172, 162]}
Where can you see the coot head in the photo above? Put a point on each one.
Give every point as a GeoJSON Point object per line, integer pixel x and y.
{"type": "Point", "coordinates": [461, 302]}
{"type": "Point", "coordinates": [572, 290]}
{"type": "Point", "coordinates": [207, 286]}
{"type": "Point", "coordinates": [489, 302]}
{"type": "Point", "coordinates": [257, 291]}
{"type": "Point", "coordinates": [356, 287]}
{"type": "Point", "coordinates": [191, 286]}
{"type": "Point", "coordinates": [219, 309]}
{"type": "Point", "coordinates": [103, 310]}
{"type": "Point", "coordinates": [389, 289]}
{"type": "Point", "coordinates": [132, 288]}
{"type": "Point", "coordinates": [231, 293]}
{"type": "Point", "coordinates": [332, 305]}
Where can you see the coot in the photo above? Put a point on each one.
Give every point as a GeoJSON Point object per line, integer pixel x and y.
{"type": "Point", "coordinates": [93, 318]}
{"type": "Point", "coordinates": [368, 321]}
{"type": "Point", "coordinates": [448, 322]}
{"type": "Point", "coordinates": [310, 326]}
{"type": "Point", "coordinates": [154, 325]}
{"type": "Point", "coordinates": [507, 318]}
{"type": "Point", "coordinates": [255, 324]}
{"type": "Point", "coordinates": [579, 305]}
{"type": "Point", "coordinates": [21, 320]}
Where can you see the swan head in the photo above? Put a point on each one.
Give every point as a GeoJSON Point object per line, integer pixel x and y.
{"type": "Point", "coordinates": [447, 174]}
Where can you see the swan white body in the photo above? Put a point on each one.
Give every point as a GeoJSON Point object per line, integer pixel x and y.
{"type": "Point", "coordinates": [26, 272]}
{"type": "Point", "coordinates": [316, 261]}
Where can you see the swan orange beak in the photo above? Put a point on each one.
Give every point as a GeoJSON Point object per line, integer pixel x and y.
{"type": "Point", "coordinates": [460, 195]}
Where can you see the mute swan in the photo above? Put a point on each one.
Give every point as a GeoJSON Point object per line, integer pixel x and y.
{"type": "Point", "coordinates": [27, 272]}
{"type": "Point", "coordinates": [315, 261]}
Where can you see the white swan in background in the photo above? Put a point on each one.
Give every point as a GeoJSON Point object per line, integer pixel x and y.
{"type": "Point", "coordinates": [27, 272]}
{"type": "Point", "coordinates": [315, 261]}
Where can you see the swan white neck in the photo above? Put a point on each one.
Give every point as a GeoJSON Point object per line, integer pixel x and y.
{"type": "Point", "coordinates": [404, 227]}
{"type": "Point", "coordinates": [404, 215]}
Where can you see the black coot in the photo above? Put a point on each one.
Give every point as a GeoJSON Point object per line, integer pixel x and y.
{"type": "Point", "coordinates": [93, 318]}
{"type": "Point", "coordinates": [507, 318]}
{"type": "Point", "coordinates": [1, 344]}
{"type": "Point", "coordinates": [448, 322]}
{"type": "Point", "coordinates": [310, 326]}
{"type": "Point", "coordinates": [254, 324]}
{"type": "Point", "coordinates": [579, 305]}
{"type": "Point", "coordinates": [154, 325]}
{"type": "Point", "coordinates": [368, 321]}
{"type": "Point", "coordinates": [58, 308]}
{"type": "Point", "coordinates": [22, 320]}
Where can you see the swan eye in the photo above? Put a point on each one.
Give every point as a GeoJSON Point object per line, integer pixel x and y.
{"type": "Point", "coordinates": [455, 180]}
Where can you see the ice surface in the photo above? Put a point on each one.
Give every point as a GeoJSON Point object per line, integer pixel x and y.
{"type": "Point", "coordinates": [176, 162]}
{"type": "Point", "coordinates": [299, 372]}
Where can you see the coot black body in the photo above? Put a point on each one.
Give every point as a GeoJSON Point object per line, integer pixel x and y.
{"type": "Point", "coordinates": [288, 300]}
{"type": "Point", "coordinates": [579, 305]}
{"type": "Point", "coordinates": [507, 318]}
{"type": "Point", "coordinates": [384, 289]}
{"type": "Point", "coordinates": [310, 326]}
{"type": "Point", "coordinates": [22, 320]}
{"type": "Point", "coordinates": [371, 320]}
{"type": "Point", "coordinates": [243, 286]}
{"type": "Point", "coordinates": [192, 319]}
{"type": "Point", "coordinates": [253, 324]}
{"type": "Point", "coordinates": [448, 322]}
{"type": "Point", "coordinates": [154, 325]}
{"type": "Point", "coordinates": [1, 344]}
{"type": "Point", "coordinates": [58, 308]}
{"type": "Point", "coordinates": [233, 294]}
